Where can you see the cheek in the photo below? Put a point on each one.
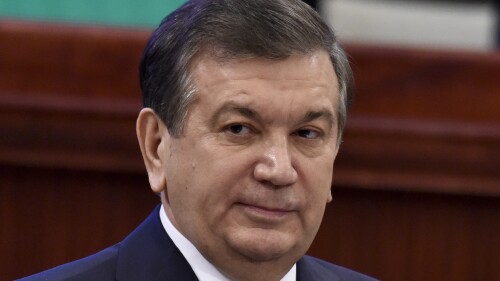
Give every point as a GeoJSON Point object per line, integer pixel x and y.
{"type": "Point", "coordinates": [318, 174]}
{"type": "Point", "coordinates": [317, 192]}
{"type": "Point", "coordinates": [317, 182]}
{"type": "Point", "coordinates": [204, 178]}
{"type": "Point", "coordinates": [181, 177]}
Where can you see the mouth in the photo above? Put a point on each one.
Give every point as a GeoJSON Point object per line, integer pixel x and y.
{"type": "Point", "coordinates": [265, 214]}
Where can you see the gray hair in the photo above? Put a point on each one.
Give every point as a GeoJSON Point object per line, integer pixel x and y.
{"type": "Point", "coordinates": [232, 29]}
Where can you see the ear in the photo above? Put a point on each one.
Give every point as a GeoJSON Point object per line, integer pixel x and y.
{"type": "Point", "coordinates": [151, 133]}
{"type": "Point", "coordinates": [330, 198]}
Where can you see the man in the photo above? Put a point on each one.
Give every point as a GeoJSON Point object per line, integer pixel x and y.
{"type": "Point", "coordinates": [245, 102]}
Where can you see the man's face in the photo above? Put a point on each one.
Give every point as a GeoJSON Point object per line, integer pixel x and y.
{"type": "Point", "coordinates": [251, 174]}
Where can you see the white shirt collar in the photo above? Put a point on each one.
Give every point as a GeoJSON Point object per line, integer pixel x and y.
{"type": "Point", "coordinates": [204, 270]}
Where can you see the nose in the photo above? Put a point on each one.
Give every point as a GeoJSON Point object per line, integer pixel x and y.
{"type": "Point", "coordinates": [276, 165]}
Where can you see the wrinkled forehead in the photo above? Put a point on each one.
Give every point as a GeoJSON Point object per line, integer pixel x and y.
{"type": "Point", "coordinates": [224, 55]}
{"type": "Point", "coordinates": [209, 67]}
{"type": "Point", "coordinates": [309, 78]}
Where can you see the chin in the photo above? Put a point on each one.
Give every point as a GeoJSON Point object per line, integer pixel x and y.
{"type": "Point", "coordinates": [259, 245]}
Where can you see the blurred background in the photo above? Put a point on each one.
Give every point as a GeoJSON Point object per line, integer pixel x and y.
{"type": "Point", "coordinates": [417, 180]}
{"type": "Point", "coordinates": [455, 24]}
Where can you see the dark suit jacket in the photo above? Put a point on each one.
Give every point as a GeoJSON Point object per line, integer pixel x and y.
{"type": "Point", "coordinates": [148, 254]}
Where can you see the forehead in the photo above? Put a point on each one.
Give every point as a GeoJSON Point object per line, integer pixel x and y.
{"type": "Point", "coordinates": [276, 88]}
{"type": "Point", "coordinates": [315, 70]}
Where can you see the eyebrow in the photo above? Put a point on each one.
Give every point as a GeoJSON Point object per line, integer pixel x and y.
{"type": "Point", "coordinates": [232, 107]}
{"type": "Point", "coordinates": [320, 114]}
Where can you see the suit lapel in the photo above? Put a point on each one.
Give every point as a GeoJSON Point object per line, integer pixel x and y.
{"type": "Point", "coordinates": [308, 270]}
{"type": "Point", "coordinates": [148, 254]}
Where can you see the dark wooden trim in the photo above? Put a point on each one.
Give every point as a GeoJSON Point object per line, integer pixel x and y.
{"type": "Point", "coordinates": [422, 120]}
{"type": "Point", "coordinates": [71, 135]}
{"type": "Point", "coordinates": [69, 96]}
{"type": "Point", "coordinates": [70, 60]}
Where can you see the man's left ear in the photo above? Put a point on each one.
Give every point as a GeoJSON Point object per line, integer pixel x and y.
{"type": "Point", "coordinates": [330, 198]}
{"type": "Point", "coordinates": [150, 133]}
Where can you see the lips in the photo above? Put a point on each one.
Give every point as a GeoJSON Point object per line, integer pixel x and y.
{"type": "Point", "coordinates": [267, 209]}
{"type": "Point", "coordinates": [265, 213]}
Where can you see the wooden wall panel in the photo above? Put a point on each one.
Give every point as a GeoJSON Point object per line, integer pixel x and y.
{"type": "Point", "coordinates": [53, 216]}
{"type": "Point", "coordinates": [395, 235]}
{"type": "Point", "coordinates": [79, 61]}
{"type": "Point", "coordinates": [423, 120]}
{"type": "Point", "coordinates": [69, 96]}
{"type": "Point", "coordinates": [416, 185]}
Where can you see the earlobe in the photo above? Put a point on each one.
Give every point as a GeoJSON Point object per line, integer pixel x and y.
{"type": "Point", "coordinates": [330, 197]}
{"type": "Point", "coordinates": [150, 134]}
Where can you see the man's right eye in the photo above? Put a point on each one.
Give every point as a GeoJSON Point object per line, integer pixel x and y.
{"type": "Point", "coordinates": [238, 129]}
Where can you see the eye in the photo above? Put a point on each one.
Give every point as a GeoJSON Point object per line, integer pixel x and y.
{"type": "Point", "coordinates": [308, 134]}
{"type": "Point", "coordinates": [238, 129]}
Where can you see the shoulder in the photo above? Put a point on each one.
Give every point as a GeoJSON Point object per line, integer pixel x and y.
{"type": "Point", "coordinates": [311, 268]}
{"type": "Point", "coordinates": [101, 265]}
